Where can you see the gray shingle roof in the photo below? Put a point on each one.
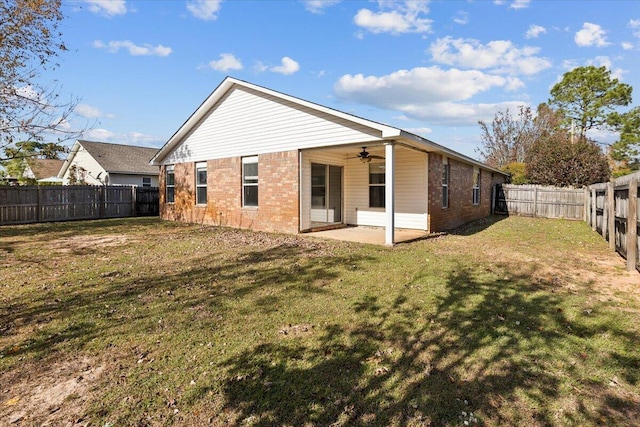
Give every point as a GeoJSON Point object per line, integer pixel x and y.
{"type": "Point", "coordinates": [118, 158]}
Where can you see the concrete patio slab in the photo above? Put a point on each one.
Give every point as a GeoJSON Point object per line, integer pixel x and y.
{"type": "Point", "coordinates": [371, 235]}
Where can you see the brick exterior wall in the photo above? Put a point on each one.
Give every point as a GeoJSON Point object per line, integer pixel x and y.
{"type": "Point", "coordinates": [461, 208]}
{"type": "Point", "coordinates": [278, 198]}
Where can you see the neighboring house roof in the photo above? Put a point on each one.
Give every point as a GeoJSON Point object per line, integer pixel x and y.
{"type": "Point", "coordinates": [116, 158]}
{"type": "Point", "coordinates": [44, 168]}
{"type": "Point", "coordinates": [386, 132]}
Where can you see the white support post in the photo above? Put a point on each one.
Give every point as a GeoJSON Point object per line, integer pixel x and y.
{"type": "Point", "coordinates": [389, 202]}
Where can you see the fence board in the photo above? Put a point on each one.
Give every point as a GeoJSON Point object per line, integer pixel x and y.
{"type": "Point", "coordinates": [614, 214]}
{"type": "Point", "coordinates": [30, 204]}
{"type": "Point", "coordinates": [540, 201]}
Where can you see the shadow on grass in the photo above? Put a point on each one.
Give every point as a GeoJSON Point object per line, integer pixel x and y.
{"type": "Point", "coordinates": [477, 226]}
{"type": "Point", "coordinates": [96, 306]}
{"type": "Point", "coordinates": [487, 354]}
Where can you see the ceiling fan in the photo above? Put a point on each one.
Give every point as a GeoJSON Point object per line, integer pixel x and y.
{"type": "Point", "coordinates": [365, 156]}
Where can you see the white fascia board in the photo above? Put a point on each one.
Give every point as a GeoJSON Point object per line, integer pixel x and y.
{"type": "Point", "coordinates": [69, 159]}
{"type": "Point", "coordinates": [387, 132]}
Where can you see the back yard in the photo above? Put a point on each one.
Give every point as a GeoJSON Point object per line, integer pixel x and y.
{"type": "Point", "coordinates": [139, 322]}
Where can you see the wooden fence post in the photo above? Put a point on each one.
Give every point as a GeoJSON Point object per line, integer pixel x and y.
{"type": "Point", "coordinates": [133, 200]}
{"type": "Point", "coordinates": [611, 225]}
{"type": "Point", "coordinates": [632, 225]}
{"type": "Point", "coordinates": [535, 201]}
{"type": "Point", "coordinates": [594, 212]}
{"type": "Point", "coordinates": [587, 212]}
{"type": "Point", "coordinates": [39, 208]}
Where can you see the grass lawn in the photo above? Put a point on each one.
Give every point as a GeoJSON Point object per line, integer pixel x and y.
{"type": "Point", "coordinates": [138, 322]}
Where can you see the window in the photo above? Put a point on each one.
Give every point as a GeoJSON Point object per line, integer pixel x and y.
{"type": "Point", "coordinates": [146, 181]}
{"type": "Point", "coordinates": [170, 184]}
{"type": "Point", "coordinates": [476, 186]}
{"type": "Point", "coordinates": [201, 183]}
{"type": "Point", "coordinates": [445, 182]}
{"type": "Point", "coordinates": [250, 181]}
{"type": "Point", "coordinates": [376, 185]}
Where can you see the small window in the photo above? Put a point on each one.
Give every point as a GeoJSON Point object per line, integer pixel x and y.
{"type": "Point", "coordinates": [476, 186]}
{"type": "Point", "coordinates": [170, 184]}
{"type": "Point", "coordinates": [201, 183]}
{"type": "Point", "coordinates": [250, 181]}
{"type": "Point", "coordinates": [445, 183]}
{"type": "Point", "coordinates": [376, 185]}
{"type": "Point", "coordinates": [146, 181]}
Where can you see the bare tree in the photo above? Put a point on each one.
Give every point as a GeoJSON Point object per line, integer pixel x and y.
{"type": "Point", "coordinates": [29, 43]}
{"type": "Point", "coordinates": [507, 139]}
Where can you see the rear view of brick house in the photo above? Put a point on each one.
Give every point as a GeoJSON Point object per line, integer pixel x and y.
{"type": "Point", "coordinates": [250, 157]}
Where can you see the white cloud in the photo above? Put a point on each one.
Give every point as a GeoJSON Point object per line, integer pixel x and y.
{"type": "Point", "coordinates": [401, 17]}
{"type": "Point", "coordinates": [207, 10]}
{"type": "Point", "coordinates": [420, 131]}
{"type": "Point", "coordinates": [428, 93]}
{"type": "Point", "coordinates": [591, 35]}
{"type": "Point", "coordinates": [534, 31]}
{"type": "Point", "coordinates": [99, 135]}
{"type": "Point", "coordinates": [129, 138]}
{"type": "Point", "coordinates": [107, 7]}
{"type": "Point", "coordinates": [515, 4]}
{"type": "Point", "coordinates": [461, 18]}
{"type": "Point", "coordinates": [89, 112]}
{"type": "Point", "coordinates": [627, 45]}
{"type": "Point", "coordinates": [318, 6]}
{"type": "Point", "coordinates": [635, 25]}
{"type": "Point", "coordinates": [134, 50]}
{"type": "Point", "coordinates": [520, 4]}
{"type": "Point", "coordinates": [288, 66]}
{"type": "Point", "coordinates": [226, 62]}
{"type": "Point", "coordinates": [499, 55]}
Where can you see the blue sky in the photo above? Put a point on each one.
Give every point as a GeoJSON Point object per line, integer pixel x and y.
{"type": "Point", "coordinates": [433, 68]}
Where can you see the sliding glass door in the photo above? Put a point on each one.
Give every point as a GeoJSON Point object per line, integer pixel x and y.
{"type": "Point", "coordinates": [326, 195]}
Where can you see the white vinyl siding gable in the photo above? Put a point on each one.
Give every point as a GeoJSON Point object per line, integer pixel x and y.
{"type": "Point", "coordinates": [248, 122]}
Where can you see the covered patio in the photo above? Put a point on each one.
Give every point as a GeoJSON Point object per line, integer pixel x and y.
{"type": "Point", "coordinates": [371, 235]}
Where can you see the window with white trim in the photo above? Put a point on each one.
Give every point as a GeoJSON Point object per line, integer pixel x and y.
{"type": "Point", "coordinates": [146, 181]}
{"type": "Point", "coordinates": [445, 182]}
{"type": "Point", "coordinates": [376, 184]}
{"type": "Point", "coordinates": [201, 183]}
{"type": "Point", "coordinates": [250, 181]}
{"type": "Point", "coordinates": [476, 186]}
{"type": "Point", "coordinates": [170, 184]}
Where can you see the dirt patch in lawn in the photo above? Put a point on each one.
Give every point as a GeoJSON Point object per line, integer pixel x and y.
{"type": "Point", "coordinates": [77, 244]}
{"type": "Point", "coordinates": [48, 393]}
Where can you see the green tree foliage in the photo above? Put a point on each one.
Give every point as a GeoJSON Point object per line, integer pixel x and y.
{"type": "Point", "coordinates": [507, 139]}
{"type": "Point", "coordinates": [555, 160]}
{"type": "Point", "coordinates": [518, 172]}
{"type": "Point", "coordinates": [29, 43]}
{"type": "Point", "coordinates": [589, 97]}
{"type": "Point", "coordinates": [626, 151]}
{"type": "Point", "coordinates": [16, 164]}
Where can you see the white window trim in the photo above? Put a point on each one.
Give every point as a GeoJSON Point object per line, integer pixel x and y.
{"type": "Point", "coordinates": [170, 168]}
{"type": "Point", "coordinates": [445, 185]}
{"type": "Point", "coordinates": [476, 186]}
{"type": "Point", "coordinates": [200, 165]}
{"type": "Point", "coordinates": [250, 160]}
{"type": "Point", "coordinates": [376, 185]}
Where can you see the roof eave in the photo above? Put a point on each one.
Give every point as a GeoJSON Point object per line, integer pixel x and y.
{"type": "Point", "coordinates": [435, 147]}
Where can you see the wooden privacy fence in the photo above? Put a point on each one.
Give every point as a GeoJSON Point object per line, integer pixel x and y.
{"type": "Point", "coordinates": [540, 201]}
{"type": "Point", "coordinates": [30, 204]}
{"type": "Point", "coordinates": [613, 212]}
